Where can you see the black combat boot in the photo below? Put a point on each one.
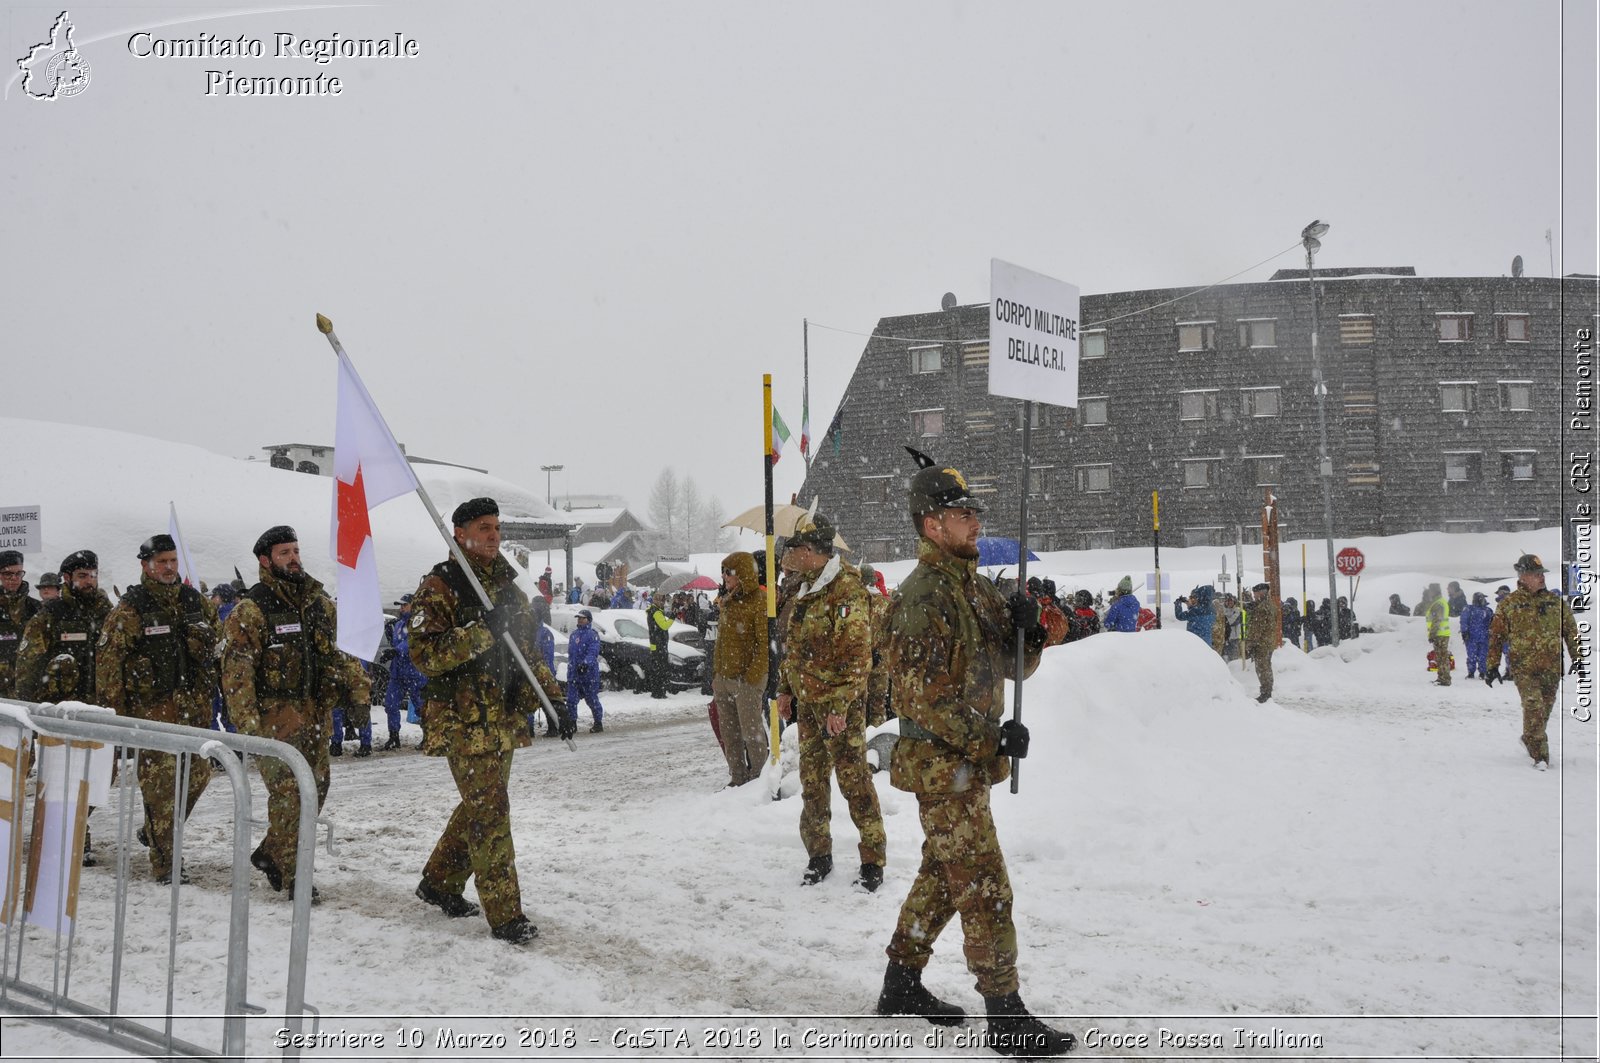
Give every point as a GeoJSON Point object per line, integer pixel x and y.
{"type": "Point", "coordinates": [870, 878]}
{"type": "Point", "coordinates": [393, 742]}
{"type": "Point", "coordinates": [263, 863]}
{"type": "Point", "coordinates": [336, 750]}
{"type": "Point", "coordinates": [904, 994]}
{"type": "Point", "coordinates": [452, 904]}
{"type": "Point", "coordinates": [818, 869]}
{"type": "Point", "coordinates": [364, 751]}
{"type": "Point", "coordinates": [518, 931]}
{"type": "Point", "coordinates": [1014, 1032]}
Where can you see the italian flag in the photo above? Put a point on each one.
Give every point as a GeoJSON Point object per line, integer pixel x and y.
{"type": "Point", "coordinates": [780, 435]}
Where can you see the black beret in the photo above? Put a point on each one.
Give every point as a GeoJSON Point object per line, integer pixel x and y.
{"type": "Point", "coordinates": [472, 509]}
{"type": "Point", "coordinates": [81, 559]}
{"type": "Point", "coordinates": [156, 544]}
{"type": "Point", "coordinates": [1262, 587]}
{"type": "Point", "coordinates": [225, 591]}
{"type": "Point", "coordinates": [275, 536]}
{"type": "Point", "coordinates": [10, 557]}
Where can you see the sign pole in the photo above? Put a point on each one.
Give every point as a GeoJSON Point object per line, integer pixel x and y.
{"type": "Point", "coordinates": [1305, 602]}
{"type": "Point", "coordinates": [1022, 578]}
{"type": "Point", "coordinates": [1155, 516]}
{"type": "Point", "coordinates": [772, 582]}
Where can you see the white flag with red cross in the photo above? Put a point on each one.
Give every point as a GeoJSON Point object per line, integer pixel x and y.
{"type": "Point", "coordinates": [369, 469]}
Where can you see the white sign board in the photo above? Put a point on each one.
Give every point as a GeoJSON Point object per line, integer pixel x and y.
{"type": "Point", "coordinates": [19, 529]}
{"type": "Point", "coordinates": [1033, 336]}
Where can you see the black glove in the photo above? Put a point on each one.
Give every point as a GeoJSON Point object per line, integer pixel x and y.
{"type": "Point", "coordinates": [1013, 740]}
{"type": "Point", "coordinates": [1491, 675]}
{"type": "Point", "coordinates": [500, 618]}
{"type": "Point", "coordinates": [1578, 668]}
{"type": "Point", "coordinates": [567, 727]}
{"type": "Point", "coordinates": [1024, 613]}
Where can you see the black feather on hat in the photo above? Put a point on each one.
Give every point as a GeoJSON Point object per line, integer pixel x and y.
{"type": "Point", "coordinates": [922, 460]}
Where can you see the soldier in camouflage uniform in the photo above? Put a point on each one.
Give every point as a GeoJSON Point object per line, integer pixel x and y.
{"type": "Point", "coordinates": [1534, 622]}
{"type": "Point", "coordinates": [16, 609]}
{"type": "Point", "coordinates": [474, 713]}
{"type": "Point", "coordinates": [281, 679]}
{"type": "Point", "coordinates": [157, 660]}
{"type": "Point", "coordinates": [1263, 623]}
{"type": "Point", "coordinates": [55, 661]}
{"type": "Point", "coordinates": [952, 644]}
{"type": "Point", "coordinates": [878, 682]}
{"type": "Point", "coordinates": [822, 682]}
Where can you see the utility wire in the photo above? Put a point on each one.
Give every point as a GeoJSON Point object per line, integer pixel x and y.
{"type": "Point", "coordinates": [1097, 324]}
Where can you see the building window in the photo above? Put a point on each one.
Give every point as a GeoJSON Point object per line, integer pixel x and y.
{"type": "Point", "coordinates": [1094, 479]}
{"type": "Point", "coordinates": [1039, 478]}
{"type": "Point", "coordinates": [1210, 535]}
{"type": "Point", "coordinates": [1454, 328]}
{"type": "Point", "coordinates": [975, 355]}
{"type": "Point", "coordinates": [979, 422]}
{"type": "Point", "coordinates": [1261, 402]}
{"type": "Point", "coordinates": [875, 489]}
{"type": "Point", "coordinates": [1266, 469]}
{"type": "Point", "coordinates": [1463, 527]}
{"type": "Point", "coordinates": [1463, 466]}
{"type": "Point", "coordinates": [1355, 330]}
{"type": "Point", "coordinates": [1513, 328]}
{"type": "Point", "coordinates": [1041, 541]}
{"type": "Point", "coordinates": [1098, 539]}
{"type": "Point", "coordinates": [1197, 335]}
{"type": "Point", "coordinates": [1516, 396]}
{"type": "Point", "coordinates": [1458, 396]}
{"type": "Point", "coordinates": [1093, 345]}
{"type": "Point", "coordinates": [927, 422]}
{"type": "Point", "coordinates": [1517, 464]}
{"type": "Point", "coordinates": [981, 485]}
{"type": "Point", "coordinates": [1092, 410]}
{"type": "Point", "coordinates": [1521, 524]}
{"type": "Point", "coordinates": [1197, 405]}
{"type": "Point", "coordinates": [1039, 416]}
{"type": "Point", "coordinates": [925, 359]}
{"type": "Point", "coordinates": [309, 466]}
{"type": "Point", "coordinates": [1202, 472]}
{"type": "Point", "coordinates": [1258, 333]}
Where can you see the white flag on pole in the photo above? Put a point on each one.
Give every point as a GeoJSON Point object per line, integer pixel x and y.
{"type": "Point", "coordinates": [368, 470]}
{"type": "Point", "coordinates": [186, 570]}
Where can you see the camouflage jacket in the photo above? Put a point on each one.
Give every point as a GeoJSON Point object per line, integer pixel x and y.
{"type": "Point", "coordinates": [1262, 624]}
{"type": "Point", "coordinates": [15, 612]}
{"type": "Point", "coordinates": [1534, 624]}
{"type": "Point", "coordinates": [741, 652]}
{"type": "Point", "coordinates": [279, 662]}
{"type": "Point", "coordinates": [477, 699]}
{"type": "Point", "coordinates": [827, 656]}
{"type": "Point", "coordinates": [951, 649]}
{"type": "Point", "coordinates": [157, 655]}
{"type": "Point", "coordinates": [55, 661]}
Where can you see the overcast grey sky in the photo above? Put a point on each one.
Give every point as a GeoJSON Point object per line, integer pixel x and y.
{"type": "Point", "coordinates": [579, 233]}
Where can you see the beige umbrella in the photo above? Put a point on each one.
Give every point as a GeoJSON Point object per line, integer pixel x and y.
{"type": "Point", "coordinates": [784, 518]}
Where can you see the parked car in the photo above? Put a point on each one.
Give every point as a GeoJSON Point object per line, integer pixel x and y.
{"type": "Point", "coordinates": [625, 648]}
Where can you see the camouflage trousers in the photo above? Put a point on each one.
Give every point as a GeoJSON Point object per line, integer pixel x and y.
{"type": "Point", "coordinates": [878, 695]}
{"type": "Point", "coordinates": [1538, 694]}
{"type": "Point", "coordinates": [962, 871]}
{"type": "Point", "coordinates": [742, 715]}
{"type": "Point", "coordinates": [282, 840]}
{"type": "Point", "coordinates": [845, 755]}
{"type": "Point", "coordinates": [1441, 659]}
{"type": "Point", "coordinates": [476, 843]}
{"type": "Point", "coordinates": [158, 782]}
{"type": "Point", "coordinates": [1263, 662]}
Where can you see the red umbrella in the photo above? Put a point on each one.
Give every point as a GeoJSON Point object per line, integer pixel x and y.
{"type": "Point", "coordinates": [701, 583]}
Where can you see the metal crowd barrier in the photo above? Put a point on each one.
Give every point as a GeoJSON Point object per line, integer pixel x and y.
{"type": "Point", "coordinates": [41, 724]}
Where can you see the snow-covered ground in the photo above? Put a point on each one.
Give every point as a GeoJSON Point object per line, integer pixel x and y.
{"type": "Point", "coordinates": [1367, 860]}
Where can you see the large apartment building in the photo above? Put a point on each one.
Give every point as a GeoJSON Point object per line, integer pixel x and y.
{"type": "Point", "coordinates": [1444, 409]}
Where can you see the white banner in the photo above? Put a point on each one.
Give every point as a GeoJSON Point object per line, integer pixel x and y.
{"type": "Point", "coordinates": [1033, 336]}
{"type": "Point", "coordinates": [69, 772]}
{"type": "Point", "coordinates": [19, 529]}
{"type": "Point", "coordinates": [14, 747]}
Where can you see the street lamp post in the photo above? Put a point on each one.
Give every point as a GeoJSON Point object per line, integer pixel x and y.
{"type": "Point", "coordinates": [1308, 237]}
{"type": "Point", "coordinates": [549, 498]}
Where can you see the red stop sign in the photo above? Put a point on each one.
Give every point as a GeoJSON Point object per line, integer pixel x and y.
{"type": "Point", "coordinates": [1349, 561]}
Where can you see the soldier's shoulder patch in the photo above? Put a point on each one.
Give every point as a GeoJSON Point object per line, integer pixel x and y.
{"type": "Point", "coordinates": [417, 619]}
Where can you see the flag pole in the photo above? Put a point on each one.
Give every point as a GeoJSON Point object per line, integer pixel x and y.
{"type": "Point", "coordinates": [325, 326]}
{"type": "Point", "coordinates": [1022, 581]}
{"type": "Point", "coordinates": [771, 575]}
{"type": "Point", "coordinates": [805, 393]}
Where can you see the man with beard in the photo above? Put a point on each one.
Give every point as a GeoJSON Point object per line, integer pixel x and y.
{"type": "Point", "coordinates": [281, 677]}
{"type": "Point", "coordinates": [16, 609]}
{"type": "Point", "coordinates": [474, 714]}
{"type": "Point", "coordinates": [952, 645]}
{"type": "Point", "coordinates": [156, 660]}
{"type": "Point", "coordinates": [55, 661]}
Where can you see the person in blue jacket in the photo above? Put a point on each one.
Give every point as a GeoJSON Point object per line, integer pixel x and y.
{"type": "Point", "coordinates": [1475, 633]}
{"type": "Point", "coordinates": [1123, 613]}
{"type": "Point", "coordinates": [1197, 611]}
{"type": "Point", "coordinates": [405, 682]}
{"type": "Point", "coordinates": [583, 670]}
{"type": "Point", "coordinates": [225, 597]}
